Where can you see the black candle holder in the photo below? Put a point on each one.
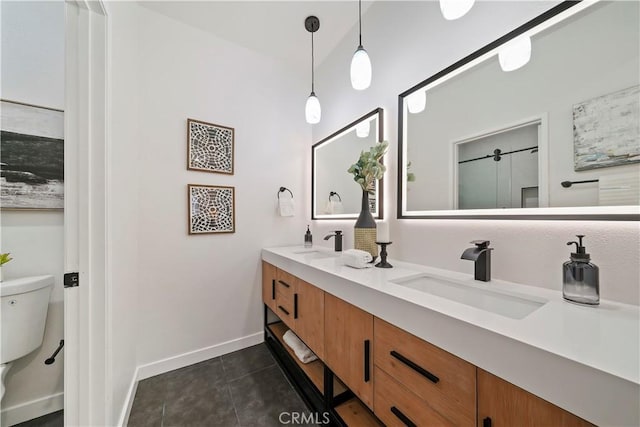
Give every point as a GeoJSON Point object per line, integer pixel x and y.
{"type": "Point", "coordinates": [383, 255]}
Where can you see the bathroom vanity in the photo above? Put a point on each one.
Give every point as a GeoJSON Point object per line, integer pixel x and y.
{"type": "Point", "coordinates": [415, 345]}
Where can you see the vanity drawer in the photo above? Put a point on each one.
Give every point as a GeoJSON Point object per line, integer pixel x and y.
{"type": "Point", "coordinates": [445, 381]}
{"type": "Point", "coordinates": [285, 283]}
{"type": "Point", "coordinates": [395, 405]}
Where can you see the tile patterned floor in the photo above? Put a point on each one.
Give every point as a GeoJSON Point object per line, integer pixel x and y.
{"type": "Point", "coordinates": [54, 419]}
{"type": "Point", "coordinates": [245, 389]}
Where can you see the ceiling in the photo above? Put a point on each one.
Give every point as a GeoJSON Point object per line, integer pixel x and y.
{"type": "Point", "coordinates": [273, 28]}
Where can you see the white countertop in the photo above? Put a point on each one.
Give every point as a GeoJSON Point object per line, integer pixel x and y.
{"type": "Point", "coordinates": [583, 359]}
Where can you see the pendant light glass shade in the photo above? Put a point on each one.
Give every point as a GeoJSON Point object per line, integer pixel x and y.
{"type": "Point", "coordinates": [515, 53]}
{"type": "Point", "coordinates": [417, 101]}
{"type": "Point", "coordinates": [312, 109]}
{"type": "Point", "coordinates": [454, 9]}
{"type": "Point", "coordinates": [360, 69]}
{"type": "Point", "coordinates": [363, 129]}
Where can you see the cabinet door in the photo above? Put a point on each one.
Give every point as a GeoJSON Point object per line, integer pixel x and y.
{"type": "Point", "coordinates": [348, 346]}
{"type": "Point", "coordinates": [269, 285]}
{"type": "Point", "coordinates": [309, 316]}
{"type": "Point", "coordinates": [501, 404]}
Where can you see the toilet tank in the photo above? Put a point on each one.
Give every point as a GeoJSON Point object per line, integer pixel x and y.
{"type": "Point", "coordinates": [23, 311]}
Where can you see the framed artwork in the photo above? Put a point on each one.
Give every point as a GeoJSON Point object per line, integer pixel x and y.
{"type": "Point", "coordinates": [31, 156]}
{"type": "Point", "coordinates": [606, 130]}
{"type": "Point", "coordinates": [209, 147]}
{"type": "Point", "coordinates": [211, 209]}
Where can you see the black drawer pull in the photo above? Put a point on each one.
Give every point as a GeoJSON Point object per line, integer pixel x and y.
{"type": "Point", "coordinates": [402, 417]}
{"type": "Point", "coordinates": [285, 284]}
{"type": "Point", "coordinates": [415, 367]}
{"type": "Point", "coordinates": [486, 422]}
{"type": "Point", "coordinates": [273, 289]}
{"type": "Point", "coordinates": [285, 311]}
{"type": "Point", "coordinates": [367, 356]}
{"type": "Point", "coordinates": [295, 306]}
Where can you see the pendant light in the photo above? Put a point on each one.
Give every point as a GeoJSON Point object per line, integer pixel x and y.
{"type": "Point", "coordinates": [417, 101]}
{"type": "Point", "coordinates": [515, 53]}
{"type": "Point", "coordinates": [363, 129]}
{"type": "Point", "coordinates": [312, 109]}
{"type": "Point", "coordinates": [454, 9]}
{"type": "Point", "coordinates": [360, 63]}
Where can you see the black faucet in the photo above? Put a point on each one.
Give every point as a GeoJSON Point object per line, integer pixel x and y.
{"type": "Point", "coordinates": [481, 256]}
{"type": "Point", "coordinates": [338, 241]}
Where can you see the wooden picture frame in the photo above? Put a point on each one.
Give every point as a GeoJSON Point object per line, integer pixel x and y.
{"type": "Point", "coordinates": [211, 209]}
{"type": "Point", "coordinates": [210, 147]}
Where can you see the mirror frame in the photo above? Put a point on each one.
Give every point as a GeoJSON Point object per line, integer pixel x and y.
{"type": "Point", "coordinates": [540, 22]}
{"type": "Point", "coordinates": [380, 185]}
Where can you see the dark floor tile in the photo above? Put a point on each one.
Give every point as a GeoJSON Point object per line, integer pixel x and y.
{"type": "Point", "coordinates": [246, 361]}
{"type": "Point", "coordinates": [54, 419]}
{"type": "Point", "coordinates": [205, 404]}
{"type": "Point", "coordinates": [261, 397]}
{"type": "Point", "coordinates": [194, 379]}
{"type": "Point", "coordinates": [148, 403]}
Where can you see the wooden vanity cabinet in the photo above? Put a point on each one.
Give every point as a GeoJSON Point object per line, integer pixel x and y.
{"type": "Point", "coordinates": [348, 346]}
{"type": "Point", "coordinates": [309, 316]}
{"type": "Point", "coordinates": [435, 387]}
{"type": "Point", "coordinates": [502, 404]}
{"type": "Point", "coordinates": [269, 285]}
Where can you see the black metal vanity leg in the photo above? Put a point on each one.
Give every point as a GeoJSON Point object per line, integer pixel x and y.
{"type": "Point", "coordinates": [328, 388]}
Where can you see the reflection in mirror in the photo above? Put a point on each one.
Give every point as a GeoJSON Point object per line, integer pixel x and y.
{"type": "Point", "coordinates": [560, 130]}
{"type": "Point", "coordinates": [335, 194]}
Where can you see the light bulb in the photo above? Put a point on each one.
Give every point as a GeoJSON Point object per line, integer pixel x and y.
{"type": "Point", "coordinates": [515, 53]}
{"type": "Point", "coordinates": [362, 129]}
{"type": "Point", "coordinates": [360, 69]}
{"type": "Point", "coordinates": [417, 101]}
{"type": "Point", "coordinates": [312, 109]}
{"type": "Point", "coordinates": [454, 9]}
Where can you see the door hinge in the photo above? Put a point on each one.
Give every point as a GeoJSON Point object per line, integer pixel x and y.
{"type": "Point", "coordinates": [71, 280]}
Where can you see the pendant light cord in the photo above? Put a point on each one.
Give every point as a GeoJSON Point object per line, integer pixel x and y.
{"type": "Point", "coordinates": [312, 75]}
{"type": "Point", "coordinates": [360, 22]}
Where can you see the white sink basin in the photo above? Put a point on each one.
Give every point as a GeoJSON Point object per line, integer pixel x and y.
{"type": "Point", "coordinates": [512, 305]}
{"type": "Point", "coordinates": [315, 254]}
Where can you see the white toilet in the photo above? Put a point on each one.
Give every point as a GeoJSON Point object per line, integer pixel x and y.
{"type": "Point", "coordinates": [23, 312]}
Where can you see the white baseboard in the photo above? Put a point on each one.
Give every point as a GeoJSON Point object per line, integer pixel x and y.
{"type": "Point", "coordinates": [180, 361]}
{"type": "Point", "coordinates": [29, 410]}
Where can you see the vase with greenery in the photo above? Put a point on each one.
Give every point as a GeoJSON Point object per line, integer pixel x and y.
{"type": "Point", "coordinates": [4, 258]}
{"type": "Point", "coordinates": [366, 172]}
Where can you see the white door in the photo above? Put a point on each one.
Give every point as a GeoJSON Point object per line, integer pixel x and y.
{"type": "Point", "coordinates": [85, 377]}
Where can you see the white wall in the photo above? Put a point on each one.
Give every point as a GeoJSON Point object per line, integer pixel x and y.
{"type": "Point", "coordinates": [408, 42]}
{"type": "Point", "coordinates": [33, 72]}
{"type": "Point", "coordinates": [196, 292]}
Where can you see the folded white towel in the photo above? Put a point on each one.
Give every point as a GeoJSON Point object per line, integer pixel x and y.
{"type": "Point", "coordinates": [356, 258]}
{"type": "Point", "coordinates": [285, 206]}
{"type": "Point", "coordinates": [299, 348]}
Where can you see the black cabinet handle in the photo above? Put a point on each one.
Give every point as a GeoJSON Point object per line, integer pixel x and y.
{"type": "Point", "coordinates": [295, 306]}
{"type": "Point", "coordinates": [415, 367]}
{"type": "Point", "coordinates": [273, 289]}
{"type": "Point", "coordinates": [402, 417]}
{"type": "Point", "coordinates": [285, 311]}
{"type": "Point", "coordinates": [486, 422]}
{"type": "Point", "coordinates": [367, 355]}
{"type": "Point", "coordinates": [285, 284]}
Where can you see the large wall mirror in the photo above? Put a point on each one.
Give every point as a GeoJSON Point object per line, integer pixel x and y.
{"type": "Point", "coordinates": [335, 195]}
{"type": "Point", "coordinates": [556, 138]}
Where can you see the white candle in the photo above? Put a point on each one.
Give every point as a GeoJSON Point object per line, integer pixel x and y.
{"type": "Point", "coordinates": [383, 232]}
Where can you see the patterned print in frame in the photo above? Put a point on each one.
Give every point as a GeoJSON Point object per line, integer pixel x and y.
{"type": "Point", "coordinates": [211, 209]}
{"type": "Point", "coordinates": [209, 147]}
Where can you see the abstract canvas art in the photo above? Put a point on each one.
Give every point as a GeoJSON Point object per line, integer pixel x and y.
{"type": "Point", "coordinates": [606, 130]}
{"type": "Point", "coordinates": [31, 157]}
{"type": "Point", "coordinates": [210, 147]}
{"type": "Point", "coordinates": [211, 209]}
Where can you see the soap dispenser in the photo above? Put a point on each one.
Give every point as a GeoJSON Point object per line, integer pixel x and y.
{"type": "Point", "coordinates": [308, 238]}
{"type": "Point", "coordinates": [580, 282]}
